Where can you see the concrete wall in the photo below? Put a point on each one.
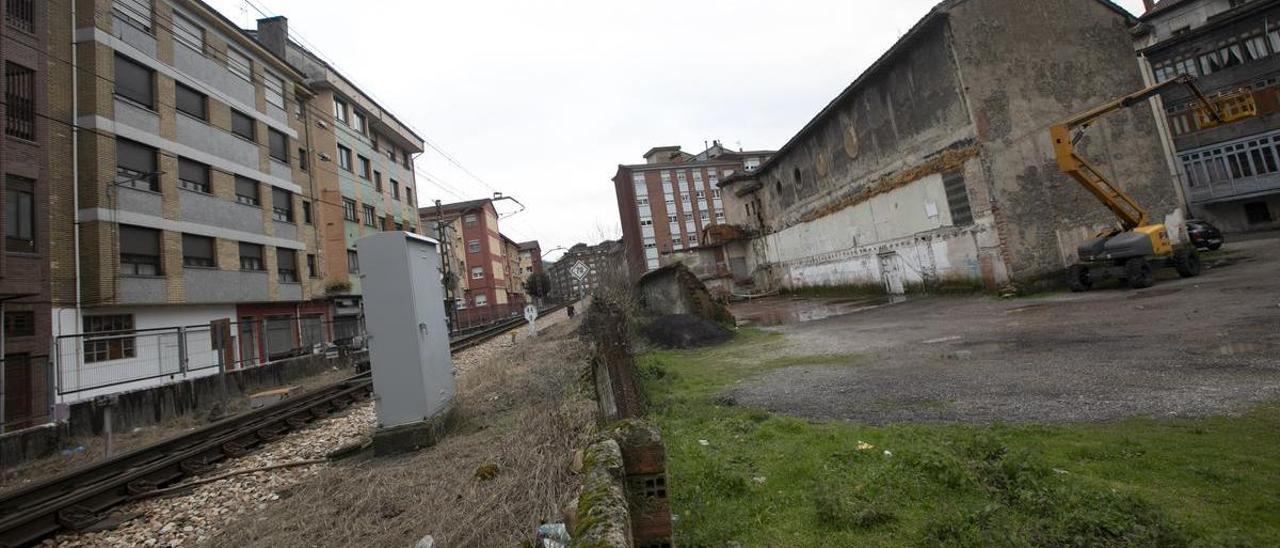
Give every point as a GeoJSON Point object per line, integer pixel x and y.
{"type": "Point", "coordinates": [1026, 65]}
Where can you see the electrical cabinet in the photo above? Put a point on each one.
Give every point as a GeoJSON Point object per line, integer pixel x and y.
{"type": "Point", "coordinates": [404, 315]}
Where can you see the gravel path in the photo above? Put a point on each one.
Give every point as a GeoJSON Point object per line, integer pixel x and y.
{"type": "Point", "coordinates": [1207, 345]}
{"type": "Point", "coordinates": [198, 515]}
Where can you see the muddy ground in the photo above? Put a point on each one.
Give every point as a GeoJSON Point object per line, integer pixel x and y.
{"type": "Point", "coordinates": [1207, 345]}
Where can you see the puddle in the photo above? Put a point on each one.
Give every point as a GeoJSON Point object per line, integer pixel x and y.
{"type": "Point", "coordinates": [777, 311]}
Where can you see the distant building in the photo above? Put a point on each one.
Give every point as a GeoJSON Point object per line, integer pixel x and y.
{"type": "Point", "coordinates": [488, 293]}
{"type": "Point", "coordinates": [584, 268]}
{"type": "Point", "coordinates": [530, 258]}
{"type": "Point", "coordinates": [1230, 174]}
{"type": "Point", "coordinates": [666, 202]}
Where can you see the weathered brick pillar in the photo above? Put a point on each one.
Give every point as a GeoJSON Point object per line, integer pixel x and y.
{"type": "Point", "coordinates": [614, 367]}
{"type": "Point", "coordinates": [644, 459]}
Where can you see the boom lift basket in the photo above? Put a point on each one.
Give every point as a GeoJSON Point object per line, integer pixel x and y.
{"type": "Point", "coordinates": [1232, 105]}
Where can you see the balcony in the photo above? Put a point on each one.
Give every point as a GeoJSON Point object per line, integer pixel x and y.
{"type": "Point", "coordinates": [1231, 189]}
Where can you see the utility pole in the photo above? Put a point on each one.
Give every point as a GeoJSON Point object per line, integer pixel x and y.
{"type": "Point", "coordinates": [446, 260]}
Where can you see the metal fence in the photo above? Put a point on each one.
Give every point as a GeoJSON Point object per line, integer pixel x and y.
{"type": "Point", "coordinates": [91, 364]}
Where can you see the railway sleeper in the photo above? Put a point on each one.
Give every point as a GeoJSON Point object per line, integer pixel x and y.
{"type": "Point", "coordinates": [77, 517]}
{"type": "Point", "coordinates": [268, 435]}
{"type": "Point", "coordinates": [297, 422]}
{"type": "Point", "coordinates": [140, 487]}
{"type": "Point", "coordinates": [195, 467]}
{"type": "Point", "coordinates": [234, 449]}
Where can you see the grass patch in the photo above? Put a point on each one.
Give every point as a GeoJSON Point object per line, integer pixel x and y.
{"type": "Point", "coordinates": [767, 480]}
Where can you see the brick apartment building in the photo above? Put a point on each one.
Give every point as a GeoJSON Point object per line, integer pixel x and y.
{"type": "Point", "coordinates": [530, 258]}
{"type": "Point", "coordinates": [364, 177]}
{"type": "Point", "coordinates": [24, 266]}
{"type": "Point", "coordinates": [583, 268]}
{"type": "Point", "coordinates": [489, 293]}
{"type": "Point", "coordinates": [666, 202]}
{"type": "Point", "coordinates": [1230, 174]}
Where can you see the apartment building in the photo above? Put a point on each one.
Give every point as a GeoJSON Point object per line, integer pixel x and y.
{"type": "Point", "coordinates": [1229, 174]}
{"type": "Point", "coordinates": [184, 197]}
{"type": "Point", "coordinates": [488, 294]}
{"type": "Point", "coordinates": [530, 258]}
{"type": "Point", "coordinates": [364, 166]}
{"type": "Point", "coordinates": [584, 268]}
{"type": "Point", "coordinates": [515, 276]}
{"type": "Point", "coordinates": [24, 179]}
{"type": "Point", "coordinates": [666, 202]}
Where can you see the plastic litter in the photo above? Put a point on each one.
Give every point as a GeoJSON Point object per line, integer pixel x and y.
{"type": "Point", "coordinates": [553, 535]}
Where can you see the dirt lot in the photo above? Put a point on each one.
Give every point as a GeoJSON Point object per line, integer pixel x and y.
{"type": "Point", "coordinates": [1202, 346]}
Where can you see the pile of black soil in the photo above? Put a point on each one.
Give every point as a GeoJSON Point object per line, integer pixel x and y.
{"type": "Point", "coordinates": [684, 331]}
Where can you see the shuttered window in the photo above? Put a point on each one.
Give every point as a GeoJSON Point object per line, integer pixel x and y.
{"type": "Point", "coordinates": [247, 191]}
{"type": "Point", "coordinates": [135, 82]}
{"type": "Point", "coordinates": [193, 175]}
{"type": "Point", "coordinates": [136, 165]}
{"type": "Point", "coordinates": [242, 125]}
{"type": "Point", "coordinates": [251, 257]}
{"type": "Point", "coordinates": [287, 265]}
{"type": "Point", "coordinates": [282, 205]}
{"type": "Point", "coordinates": [279, 145]}
{"type": "Point", "coordinates": [192, 102]}
{"type": "Point", "coordinates": [139, 251]}
{"type": "Point", "coordinates": [197, 251]}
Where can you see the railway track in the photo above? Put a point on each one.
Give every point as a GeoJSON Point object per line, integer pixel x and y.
{"type": "Point", "coordinates": [81, 498]}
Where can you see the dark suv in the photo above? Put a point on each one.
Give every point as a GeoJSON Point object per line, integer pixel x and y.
{"type": "Point", "coordinates": [1204, 235]}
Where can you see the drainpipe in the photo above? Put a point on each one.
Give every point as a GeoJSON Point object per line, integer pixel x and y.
{"type": "Point", "coordinates": [75, 165]}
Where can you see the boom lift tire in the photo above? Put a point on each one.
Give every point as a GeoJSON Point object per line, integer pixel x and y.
{"type": "Point", "coordinates": [1138, 274]}
{"type": "Point", "coordinates": [1187, 263]}
{"type": "Point", "coordinates": [1078, 278]}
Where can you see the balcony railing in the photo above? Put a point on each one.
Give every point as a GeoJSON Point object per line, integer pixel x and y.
{"type": "Point", "coordinates": [1230, 188]}
{"type": "Point", "coordinates": [20, 14]}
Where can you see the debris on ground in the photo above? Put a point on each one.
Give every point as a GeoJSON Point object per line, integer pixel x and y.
{"type": "Point", "coordinates": [684, 331]}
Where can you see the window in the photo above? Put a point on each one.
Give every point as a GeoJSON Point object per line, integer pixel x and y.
{"type": "Point", "coordinates": [646, 221]}
{"type": "Point", "coordinates": [198, 251]}
{"type": "Point", "coordinates": [349, 209]}
{"type": "Point", "coordinates": [703, 215]}
{"type": "Point", "coordinates": [239, 64]}
{"type": "Point", "coordinates": [302, 159]}
{"type": "Point", "coordinates": [242, 125]}
{"type": "Point", "coordinates": [469, 219]}
{"type": "Point", "coordinates": [353, 262]}
{"type": "Point", "coordinates": [1230, 55]}
{"type": "Point", "coordinates": [313, 269]}
{"type": "Point", "coordinates": [251, 257]}
{"type": "Point", "coordinates": [19, 323]}
{"type": "Point", "coordinates": [136, 165]}
{"type": "Point", "coordinates": [306, 212]}
{"type": "Point", "coordinates": [957, 198]}
{"type": "Point", "coordinates": [279, 145]}
{"type": "Point", "coordinates": [273, 86]}
{"type": "Point", "coordinates": [287, 265]}
{"type": "Point", "coordinates": [1257, 213]}
{"type": "Point", "coordinates": [344, 157]}
{"type": "Point", "coordinates": [282, 205]}
{"type": "Point", "coordinates": [115, 341]}
{"type": "Point", "coordinates": [247, 191]}
{"type": "Point", "coordinates": [19, 214]}
{"type": "Point", "coordinates": [408, 161]}
{"type": "Point", "coordinates": [391, 153]}
{"type": "Point", "coordinates": [192, 102]}
{"type": "Point", "coordinates": [139, 251]}
{"type": "Point", "coordinates": [408, 196]}
{"type": "Point", "coordinates": [136, 12]}
{"type": "Point", "coordinates": [19, 97]}
{"type": "Point", "coordinates": [188, 33]}
{"type": "Point", "coordinates": [135, 82]}
{"type": "Point", "coordinates": [340, 110]}
{"type": "Point", "coordinates": [477, 273]}
{"type": "Point", "coordinates": [672, 219]}
{"type": "Point", "coordinates": [482, 299]}
{"type": "Point", "coordinates": [20, 14]}
{"type": "Point", "coordinates": [642, 201]}
{"type": "Point", "coordinates": [395, 190]}
{"type": "Point", "coordinates": [1256, 46]}
{"type": "Point", "coordinates": [370, 216]}
{"type": "Point", "coordinates": [473, 246]}
{"type": "Point", "coordinates": [365, 169]}
{"type": "Point", "coordinates": [193, 175]}
{"type": "Point", "coordinates": [377, 181]}
{"type": "Point", "coordinates": [357, 122]}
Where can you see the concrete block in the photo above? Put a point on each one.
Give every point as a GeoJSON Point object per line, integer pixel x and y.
{"type": "Point", "coordinates": [413, 436]}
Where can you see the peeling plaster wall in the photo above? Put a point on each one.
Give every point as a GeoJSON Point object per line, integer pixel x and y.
{"type": "Point", "coordinates": [1026, 65]}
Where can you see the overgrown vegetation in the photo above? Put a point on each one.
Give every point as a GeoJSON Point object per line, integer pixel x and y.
{"type": "Point", "coordinates": [746, 476]}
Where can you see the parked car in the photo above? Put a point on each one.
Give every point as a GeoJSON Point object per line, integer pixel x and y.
{"type": "Point", "coordinates": [1204, 235]}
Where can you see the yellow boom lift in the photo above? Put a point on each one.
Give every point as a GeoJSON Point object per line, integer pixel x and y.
{"type": "Point", "coordinates": [1138, 245]}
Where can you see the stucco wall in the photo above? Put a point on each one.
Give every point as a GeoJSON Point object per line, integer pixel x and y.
{"type": "Point", "coordinates": [1026, 65]}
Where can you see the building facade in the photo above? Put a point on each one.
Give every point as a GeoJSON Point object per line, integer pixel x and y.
{"type": "Point", "coordinates": [488, 294]}
{"type": "Point", "coordinates": [1230, 174]}
{"type": "Point", "coordinates": [183, 195]}
{"type": "Point", "coordinates": [666, 202]}
{"type": "Point", "coordinates": [25, 180]}
{"type": "Point", "coordinates": [935, 166]}
{"type": "Point", "coordinates": [363, 168]}
{"type": "Point", "coordinates": [583, 269]}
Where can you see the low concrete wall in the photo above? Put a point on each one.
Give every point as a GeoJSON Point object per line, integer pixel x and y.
{"type": "Point", "coordinates": [158, 404]}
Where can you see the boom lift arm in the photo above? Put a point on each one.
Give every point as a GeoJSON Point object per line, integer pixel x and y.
{"type": "Point", "coordinates": [1131, 214]}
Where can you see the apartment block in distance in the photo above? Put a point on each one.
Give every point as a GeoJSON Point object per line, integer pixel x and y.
{"type": "Point", "coordinates": [487, 295]}
{"type": "Point", "coordinates": [24, 177]}
{"type": "Point", "coordinates": [1230, 174]}
{"type": "Point", "coordinates": [193, 201]}
{"type": "Point", "coordinates": [665, 202]}
{"type": "Point", "coordinates": [362, 164]}
{"type": "Point", "coordinates": [583, 268]}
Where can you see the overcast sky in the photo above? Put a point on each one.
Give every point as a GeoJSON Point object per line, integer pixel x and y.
{"type": "Point", "coordinates": [542, 100]}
